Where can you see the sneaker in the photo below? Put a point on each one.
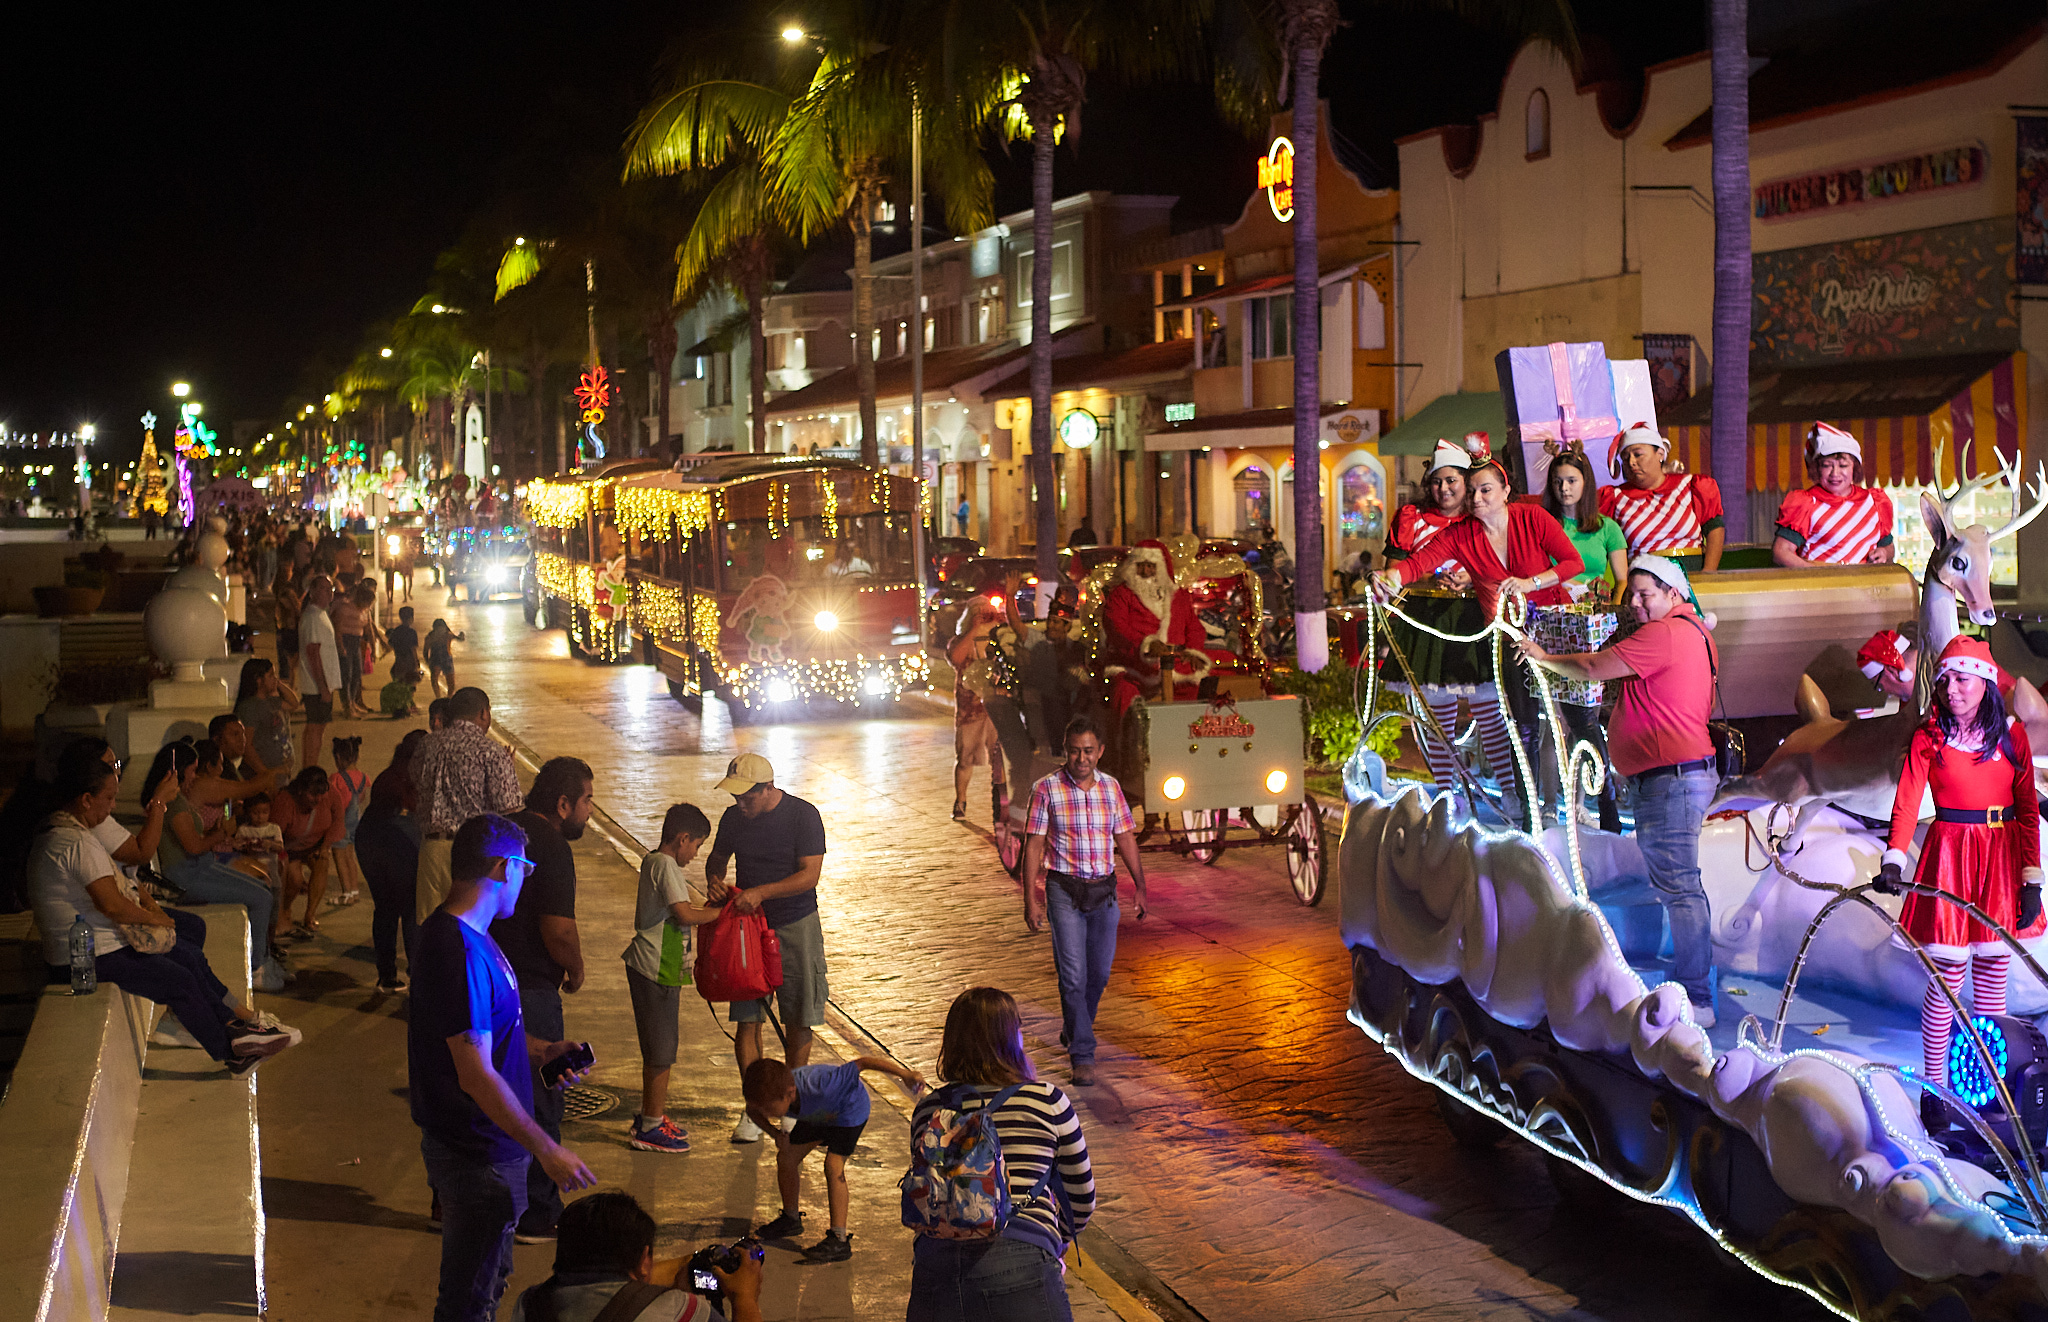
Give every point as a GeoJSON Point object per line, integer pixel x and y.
{"type": "Point", "coordinates": [837, 1246]}
{"type": "Point", "coordinates": [392, 985]}
{"type": "Point", "coordinates": [170, 1033]}
{"type": "Point", "coordinates": [782, 1227]}
{"type": "Point", "coordinates": [668, 1136]}
{"type": "Point", "coordinates": [1703, 1015]}
{"type": "Point", "coordinates": [534, 1235]}
{"type": "Point", "coordinates": [241, 1065]}
{"type": "Point", "coordinates": [258, 1043]}
{"type": "Point", "coordinates": [264, 1023]}
{"type": "Point", "coordinates": [746, 1131]}
{"type": "Point", "coordinates": [268, 978]}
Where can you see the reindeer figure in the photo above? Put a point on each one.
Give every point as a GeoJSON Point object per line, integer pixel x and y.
{"type": "Point", "coordinates": [1854, 764]}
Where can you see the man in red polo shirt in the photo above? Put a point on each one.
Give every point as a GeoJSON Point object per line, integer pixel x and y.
{"type": "Point", "coordinates": [1659, 740]}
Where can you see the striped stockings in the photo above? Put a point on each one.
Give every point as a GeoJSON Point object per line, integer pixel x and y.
{"type": "Point", "coordinates": [1493, 737]}
{"type": "Point", "coordinates": [1988, 977]}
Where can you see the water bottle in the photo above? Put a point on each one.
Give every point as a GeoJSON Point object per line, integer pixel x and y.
{"type": "Point", "coordinates": [85, 978]}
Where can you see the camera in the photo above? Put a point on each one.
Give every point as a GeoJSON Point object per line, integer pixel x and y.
{"type": "Point", "coordinates": [726, 1258]}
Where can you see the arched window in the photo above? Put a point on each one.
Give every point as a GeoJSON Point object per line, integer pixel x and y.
{"type": "Point", "coordinates": [1538, 126]}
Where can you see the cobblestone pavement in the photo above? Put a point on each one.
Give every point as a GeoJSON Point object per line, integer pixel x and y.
{"type": "Point", "coordinates": [1254, 1150]}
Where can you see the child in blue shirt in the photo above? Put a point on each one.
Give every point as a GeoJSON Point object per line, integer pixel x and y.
{"type": "Point", "coordinates": [828, 1106]}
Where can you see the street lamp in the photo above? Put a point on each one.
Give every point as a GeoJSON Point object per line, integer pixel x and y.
{"type": "Point", "coordinates": [181, 389]}
{"type": "Point", "coordinates": [384, 352]}
{"type": "Point", "coordinates": [793, 35]}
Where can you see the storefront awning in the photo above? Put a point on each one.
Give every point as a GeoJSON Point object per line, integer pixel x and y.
{"type": "Point", "coordinates": [1449, 417]}
{"type": "Point", "coordinates": [1901, 412]}
{"type": "Point", "coordinates": [1257, 287]}
{"type": "Point", "coordinates": [1341, 425]}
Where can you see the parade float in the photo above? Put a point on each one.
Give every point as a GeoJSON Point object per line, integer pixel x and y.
{"type": "Point", "coordinates": [578, 581]}
{"type": "Point", "coordinates": [1517, 971]}
{"type": "Point", "coordinates": [775, 582]}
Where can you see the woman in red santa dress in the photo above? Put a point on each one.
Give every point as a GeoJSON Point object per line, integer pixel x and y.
{"type": "Point", "coordinates": [1148, 623]}
{"type": "Point", "coordinates": [1837, 520]}
{"type": "Point", "coordinates": [1984, 845]}
{"type": "Point", "coordinates": [1675, 515]}
{"type": "Point", "coordinates": [1506, 546]}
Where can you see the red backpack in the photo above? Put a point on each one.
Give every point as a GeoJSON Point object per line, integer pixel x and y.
{"type": "Point", "coordinates": [739, 957]}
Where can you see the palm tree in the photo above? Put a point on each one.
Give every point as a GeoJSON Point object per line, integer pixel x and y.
{"type": "Point", "coordinates": [1729, 452]}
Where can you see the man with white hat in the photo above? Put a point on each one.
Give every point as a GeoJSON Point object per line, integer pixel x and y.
{"type": "Point", "coordinates": [1675, 515]}
{"type": "Point", "coordinates": [1658, 738]}
{"type": "Point", "coordinates": [1837, 520]}
{"type": "Point", "coordinates": [779, 842]}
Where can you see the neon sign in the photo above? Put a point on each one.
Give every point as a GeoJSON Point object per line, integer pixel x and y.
{"type": "Point", "coordinates": [1276, 176]}
{"type": "Point", "coordinates": [593, 393]}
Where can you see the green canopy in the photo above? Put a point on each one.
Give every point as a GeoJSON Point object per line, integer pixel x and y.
{"type": "Point", "coordinates": [1449, 417]}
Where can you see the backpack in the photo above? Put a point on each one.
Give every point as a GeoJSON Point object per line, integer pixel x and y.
{"type": "Point", "coordinates": [739, 957]}
{"type": "Point", "coordinates": [958, 1186]}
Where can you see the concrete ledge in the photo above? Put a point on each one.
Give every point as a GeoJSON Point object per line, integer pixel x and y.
{"type": "Point", "coordinates": [70, 1121]}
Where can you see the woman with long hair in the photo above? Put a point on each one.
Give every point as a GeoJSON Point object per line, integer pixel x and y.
{"type": "Point", "coordinates": [266, 703]}
{"type": "Point", "coordinates": [193, 855]}
{"type": "Point", "coordinates": [1984, 846]}
{"type": "Point", "coordinates": [1018, 1273]}
{"type": "Point", "coordinates": [388, 848]}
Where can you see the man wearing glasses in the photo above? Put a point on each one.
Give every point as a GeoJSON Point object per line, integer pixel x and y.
{"type": "Point", "coordinates": [469, 1056]}
{"type": "Point", "coordinates": [1078, 826]}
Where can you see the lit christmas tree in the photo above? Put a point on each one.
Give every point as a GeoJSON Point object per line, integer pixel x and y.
{"type": "Point", "coordinates": [152, 495]}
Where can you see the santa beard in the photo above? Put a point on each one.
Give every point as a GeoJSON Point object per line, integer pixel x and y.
{"type": "Point", "coordinates": [1155, 592]}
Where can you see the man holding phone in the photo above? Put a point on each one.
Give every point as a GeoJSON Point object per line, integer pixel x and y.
{"type": "Point", "coordinates": [470, 1063]}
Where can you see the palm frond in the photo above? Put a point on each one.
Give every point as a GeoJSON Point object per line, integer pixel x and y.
{"type": "Point", "coordinates": [700, 126]}
{"type": "Point", "coordinates": [734, 211]}
{"type": "Point", "coordinates": [520, 264]}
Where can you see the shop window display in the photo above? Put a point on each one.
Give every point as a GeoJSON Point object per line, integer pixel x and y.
{"type": "Point", "coordinates": [1361, 507]}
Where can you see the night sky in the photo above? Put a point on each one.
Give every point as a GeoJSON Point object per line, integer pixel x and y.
{"type": "Point", "coordinates": [234, 203]}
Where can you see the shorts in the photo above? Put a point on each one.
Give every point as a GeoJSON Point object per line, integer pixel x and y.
{"type": "Point", "coordinates": [801, 997]}
{"type": "Point", "coordinates": [839, 1140]}
{"type": "Point", "coordinates": [319, 710]}
{"type": "Point", "coordinates": [655, 1011]}
{"type": "Point", "coordinates": [975, 743]}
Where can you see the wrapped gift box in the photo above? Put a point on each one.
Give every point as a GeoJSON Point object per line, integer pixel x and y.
{"type": "Point", "coordinates": [1634, 401]}
{"type": "Point", "coordinates": [1555, 394]}
{"type": "Point", "coordinates": [1580, 627]}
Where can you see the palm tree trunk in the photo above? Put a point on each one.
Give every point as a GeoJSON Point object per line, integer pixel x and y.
{"type": "Point", "coordinates": [1044, 119]}
{"type": "Point", "coordinates": [864, 321]}
{"type": "Point", "coordinates": [1730, 444]}
{"type": "Point", "coordinates": [757, 349]}
{"type": "Point", "coordinates": [1309, 25]}
{"type": "Point", "coordinates": [662, 347]}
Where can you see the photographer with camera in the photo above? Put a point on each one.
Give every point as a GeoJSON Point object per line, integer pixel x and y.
{"type": "Point", "coordinates": [605, 1272]}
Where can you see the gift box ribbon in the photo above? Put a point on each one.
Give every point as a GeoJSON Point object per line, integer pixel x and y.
{"type": "Point", "coordinates": [1569, 426]}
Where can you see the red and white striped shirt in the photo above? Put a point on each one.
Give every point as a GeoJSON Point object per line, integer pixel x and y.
{"type": "Point", "coordinates": [1413, 527]}
{"type": "Point", "coordinates": [1836, 530]}
{"type": "Point", "coordinates": [1674, 517]}
{"type": "Point", "coordinates": [1080, 825]}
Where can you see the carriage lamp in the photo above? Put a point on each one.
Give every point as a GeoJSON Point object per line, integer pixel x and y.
{"type": "Point", "coordinates": [825, 621]}
{"type": "Point", "coordinates": [781, 690]}
{"type": "Point", "coordinates": [1174, 787]}
{"type": "Point", "coordinates": [1276, 782]}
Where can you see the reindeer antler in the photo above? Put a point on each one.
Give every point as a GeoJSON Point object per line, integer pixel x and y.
{"type": "Point", "coordinates": [2019, 520]}
{"type": "Point", "coordinates": [1963, 491]}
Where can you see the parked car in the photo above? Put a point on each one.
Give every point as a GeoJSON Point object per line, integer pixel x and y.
{"type": "Point", "coordinates": [979, 574]}
{"type": "Point", "coordinates": [947, 554]}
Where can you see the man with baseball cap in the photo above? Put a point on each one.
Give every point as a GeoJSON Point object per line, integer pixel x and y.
{"type": "Point", "coordinates": [1837, 520]}
{"type": "Point", "coordinates": [469, 1059]}
{"type": "Point", "coordinates": [778, 841]}
{"type": "Point", "coordinates": [1674, 515]}
{"type": "Point", "coordinates": [1659, 739]}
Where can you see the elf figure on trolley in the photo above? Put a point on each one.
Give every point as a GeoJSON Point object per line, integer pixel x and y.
{"type": "Point", "coordinates": [1984, 846]}
{"type": "Point", "coordinates": [1837, 520]}
{"type": "Point", "coordinates": [1675, 515]}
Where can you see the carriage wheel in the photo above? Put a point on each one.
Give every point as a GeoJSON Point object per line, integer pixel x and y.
{"type": "Point", "coordinates": [1307, 852]}
{"type": "Point", "coordinates": [1009, 846]}
{"type": "Point", "coordinates": [1203, 828]}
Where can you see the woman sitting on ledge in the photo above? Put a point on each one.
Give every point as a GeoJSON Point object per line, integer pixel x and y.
{"type": "Point", "coordinates": [72, 876]}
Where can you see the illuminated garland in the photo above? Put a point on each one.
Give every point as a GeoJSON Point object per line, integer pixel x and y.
{"type": "Point", "coordinates": [841, 680]}
{"type": "Point", "coordinates": [657, 513]}
{"type": "Point", "coordinates": [658, 613]}
{"type": "Point", "coordinates": [831, 509]}
{"type": "Point", "coordinates": [557, 504]}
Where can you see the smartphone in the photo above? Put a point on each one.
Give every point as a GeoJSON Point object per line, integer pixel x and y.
{"type": "Point", "coordinates": [576, 1058]}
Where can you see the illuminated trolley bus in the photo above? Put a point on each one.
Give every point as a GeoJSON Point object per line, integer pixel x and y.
{"type": "Point", "coordinates": [775, 582]}
{"type": "Point", "coordinates": [578, 581]}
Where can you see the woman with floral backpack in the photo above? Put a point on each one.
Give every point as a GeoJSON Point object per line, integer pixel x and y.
{"type": "Point", "coordinates": [971, 1253]}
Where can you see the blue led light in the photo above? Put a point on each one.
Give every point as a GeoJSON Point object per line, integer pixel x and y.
{"type": "Point", "coordinates": [1966, 1072]}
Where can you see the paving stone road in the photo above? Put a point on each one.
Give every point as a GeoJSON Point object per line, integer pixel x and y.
{"type": "Point", "coordinates": [1253, 1149]}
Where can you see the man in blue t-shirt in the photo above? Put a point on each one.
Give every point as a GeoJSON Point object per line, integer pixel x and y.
{"type": "Point", "coordinates": [778, 841]}
{"type": "Point", "coordinates": [468, 1057]}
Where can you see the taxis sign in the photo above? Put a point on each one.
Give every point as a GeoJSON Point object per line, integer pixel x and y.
{"type": "Point", "coordinates": [1221, 725]}
{"type": "Point", "coordinates": [1276, 176]}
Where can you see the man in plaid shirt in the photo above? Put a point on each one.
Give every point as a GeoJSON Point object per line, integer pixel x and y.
{"type": "Point", "coordinates": [1079, 825]}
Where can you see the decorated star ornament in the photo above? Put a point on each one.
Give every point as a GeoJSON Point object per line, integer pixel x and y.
{"type": "Point", "coordinates": [149, 420]}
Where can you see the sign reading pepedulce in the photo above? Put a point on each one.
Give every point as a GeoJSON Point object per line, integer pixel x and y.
{"type": "Point", "coordinates": [1276, 176]}
{"type": "Point", "coordinates": [1826, 190]}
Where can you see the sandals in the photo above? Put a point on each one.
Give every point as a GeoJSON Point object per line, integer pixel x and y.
{"type": "Point", "coordinates": [305, 931]}
{"type": "Point", "coordinates": [959, 810]}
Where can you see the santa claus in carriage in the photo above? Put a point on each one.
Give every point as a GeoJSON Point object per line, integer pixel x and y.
{"type": "Point", "coordinates": [1149, 626]}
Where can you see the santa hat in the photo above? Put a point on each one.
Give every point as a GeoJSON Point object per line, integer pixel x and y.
{"type": "Point", "coordinates": [1826, 440]}
{"type": "Point", "coordinates": [1885, 651]}
{"type": "Point", "coordinates": [1642, 433]}
{"type": "Point", "coordinates": [1450, 454]}
{"type": "Point", "coordinates": [1969, 656]}
{"type": "Point", "coordinates": [1157, 551]}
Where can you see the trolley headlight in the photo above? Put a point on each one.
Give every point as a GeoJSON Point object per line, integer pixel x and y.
{"type": "Point", "coordinates": [825, 621]}
{"type": "Point", "coordinates": [391, 544]}
{"type": "Point", "coordinates": [1276, 782]}
{"type": "Point", "coordinates": [495, 576]}
{"type": "Point", "coordinates": [780, 690]}
{"type": "Point", "coordinates": [1173, 787]}
{"type": "Point", "coordinates": [875, 686]}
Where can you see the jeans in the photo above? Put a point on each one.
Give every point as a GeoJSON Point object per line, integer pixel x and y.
{"type": "Point", "coordinates": [1669, 811]}
{"type": "Point", "coordinates": [210, 881]}
{"type": "Point", "coordinates": [992, 1280]}
{"type": "Point", "coordinates": [541, 1007]}
{"type": "Point", "coordinates": [352, 667]}
{"type": "Point", "coordinates": [181, 979]}
{"type": "Point", "coordinates": [480, 1203]}
{"type": "Point", "coordinates": [1083, 948]}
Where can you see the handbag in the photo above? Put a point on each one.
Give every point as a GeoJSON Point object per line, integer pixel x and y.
{"type": "Point", "coordinates": [1729, 751]}
{"type": "Point", "coordinates": [148, 938]}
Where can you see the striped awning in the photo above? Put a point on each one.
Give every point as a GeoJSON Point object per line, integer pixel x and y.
{"type": "Point", "coordinates": [1973, 406]}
